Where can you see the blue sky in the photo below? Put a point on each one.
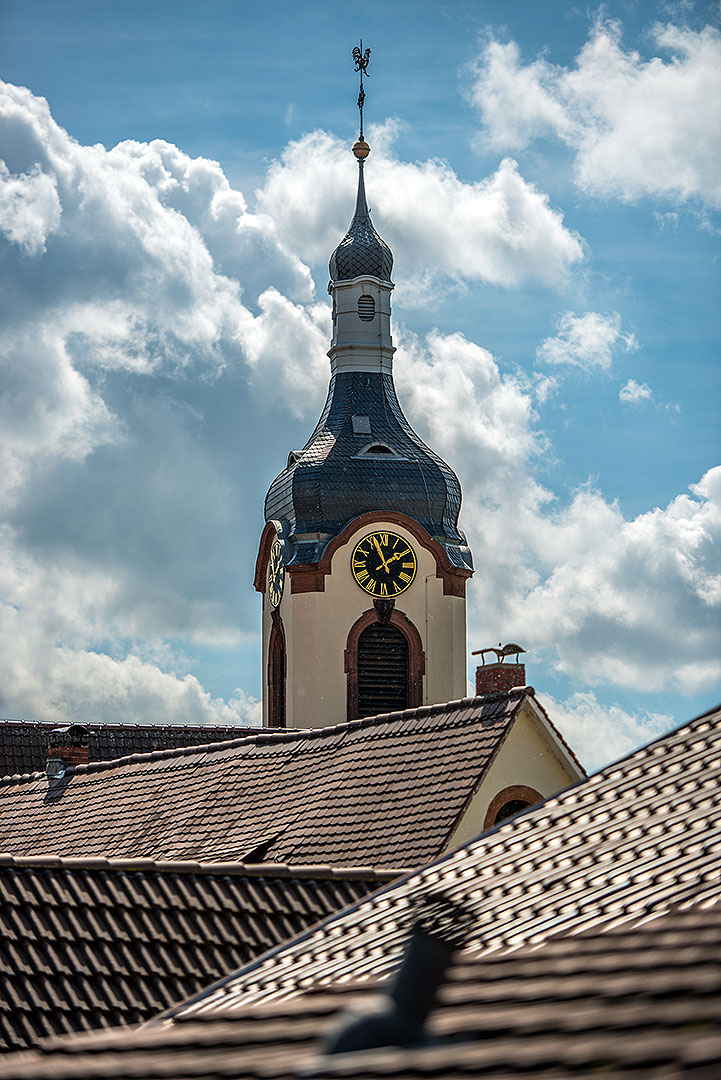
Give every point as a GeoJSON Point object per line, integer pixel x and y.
{"type": "Point", "coordinates": [548, 180]}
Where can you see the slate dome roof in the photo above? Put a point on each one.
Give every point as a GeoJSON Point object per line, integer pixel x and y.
{"type": "Point", "coordinates": [332, 480]}
{"type": "Point", "coordinates": [361, 251]}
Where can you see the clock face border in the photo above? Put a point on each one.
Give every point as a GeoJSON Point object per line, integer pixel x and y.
{"type": "Point", "coordinates": [383, 548]}
{"type": "Point", "coordinates": [276, 575]}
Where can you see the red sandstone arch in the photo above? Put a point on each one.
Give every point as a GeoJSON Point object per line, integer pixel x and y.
{"type": "Point", "coordinates": [525, 794]}
{"type": "Point", "coordinates": [311, 577]}
{"type": "Point", "coordinates": [416, 657]}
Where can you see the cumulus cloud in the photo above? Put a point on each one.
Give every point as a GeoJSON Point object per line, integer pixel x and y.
{"type": "Point", "coordinates": [137, 280]}
{"type": "Point", "coordinates": [51, 615]}
{"type": "Point", "coordinates": [133, 279]}
{"type": "Point", "coordinates": [500, 230]}
{"type": "Point", "coordinates": [633, 603]}
{"type": "Point", "coordinates": [635, 126]}
{"type": "Point", "coordinates": [587, 341]}
{"type": "Point", "coordinates": [633, 393]}
{"type": "Point", "coordinates": [600, 734]}
{"type": "Point", "coordinates": [152, 272]}
{"type": "Point", "coordinates": [29, 208]}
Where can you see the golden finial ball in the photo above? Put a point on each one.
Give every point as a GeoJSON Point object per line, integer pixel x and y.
{"type": "Point", "coordinates": [361, 149]}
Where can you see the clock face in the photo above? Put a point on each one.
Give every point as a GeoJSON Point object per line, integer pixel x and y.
{"type": "Point", "coordinates": [384, 564]}
{"type": "Point", "coordinates": [276, 574]}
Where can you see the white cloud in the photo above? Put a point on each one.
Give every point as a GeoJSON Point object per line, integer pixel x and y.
{"type": "Point", "coordinates": [588, 341]}
{"type": "Point", "coordinates": [145, 275]}
{"type": "Point", "coordinates": [633, 603]}
{"type": "Point", "coordinates": [636, 127]}
{"type": "Point", "coordinates": [133, 279]}
{"type": "Point", "coordinates": [29, 208]}
{"type": "Point", "coordinates": [50, 614]}
{"type": "Point", "coordinates": [633, 393]}
{"type": "Point", "coordinates": [599, 733]}
{"type": "Point", "coordinates": [130, 474]}
{"type": "Point", "coordinates": [500, 230]}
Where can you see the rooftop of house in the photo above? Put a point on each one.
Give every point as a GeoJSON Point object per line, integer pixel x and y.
{"type": "Point", "coordinates": [93, 943]}
{"type": "Point", "coordinates": [24, 743]}
{"type": "Point", "coordinates": [625, 1003]}
{"type": "Point", "coordinates": [589, 930]}
{"type": "Point", "coordinates": [385, 791]}
{"type": "Point", "coordinates": [636, 838]}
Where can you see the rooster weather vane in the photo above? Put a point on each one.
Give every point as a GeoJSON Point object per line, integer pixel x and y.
{"type": "Point", "coordinates": [361, 64]}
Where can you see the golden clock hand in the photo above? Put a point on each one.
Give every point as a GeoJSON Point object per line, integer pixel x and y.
{"type": "Point", "coordinates": [378, 549]}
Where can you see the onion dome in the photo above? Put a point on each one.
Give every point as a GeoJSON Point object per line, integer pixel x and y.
{"type": "Point", "coordinates": [364, 456]}
{"type": "Point", "coordinates": [361, 251]}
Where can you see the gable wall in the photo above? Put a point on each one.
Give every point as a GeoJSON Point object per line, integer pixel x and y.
{"type": "Point", "coordinates": [527, 758]}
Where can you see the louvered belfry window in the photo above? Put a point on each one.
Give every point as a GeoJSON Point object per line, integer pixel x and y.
{"type": "Point", "coordinates": [382, 670]}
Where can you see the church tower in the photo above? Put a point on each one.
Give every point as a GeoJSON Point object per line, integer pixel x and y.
{"type": "Point", "coordinates": [361, 564]}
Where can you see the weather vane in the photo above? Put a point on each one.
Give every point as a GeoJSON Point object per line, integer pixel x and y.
{"type": "Point", "coordinates": [361, 64]}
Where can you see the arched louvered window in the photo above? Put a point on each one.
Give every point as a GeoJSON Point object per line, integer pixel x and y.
{"type": "Point", "coordinates": [384, 664]}
{"type": "Point", "coordinates": [276, 673]}
{"type": "Point", "coordinates": [382, 670]}
{"type": "Point", "coordinates": [366, 307]}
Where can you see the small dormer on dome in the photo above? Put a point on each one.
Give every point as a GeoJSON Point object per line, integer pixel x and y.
{"type": "Point", "coordinates": [361, 251]}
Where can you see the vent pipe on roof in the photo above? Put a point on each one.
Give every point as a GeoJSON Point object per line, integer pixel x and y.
{"type": "Point", "coordinates": [398, 1017]}
{"type": "Point", "coordinates": [67, 746]}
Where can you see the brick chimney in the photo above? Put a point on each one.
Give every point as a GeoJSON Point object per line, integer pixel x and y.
{"type": "Point", "coordinates": [499, 676]}
{"type": "Point", "coordinates": [67, 746]}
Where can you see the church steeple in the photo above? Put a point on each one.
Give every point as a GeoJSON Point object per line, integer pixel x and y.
{"type": "Point", "coordinates": [361, 251]}
{"type": "Point", "coordinates": [363, 468]}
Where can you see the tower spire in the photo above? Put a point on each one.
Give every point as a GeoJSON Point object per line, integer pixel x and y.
{"type": "Point", "coordinates": [361, 251]}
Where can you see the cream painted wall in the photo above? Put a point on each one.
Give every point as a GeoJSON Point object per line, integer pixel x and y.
{"type": "Point", "coordinates": [357, 344]}
{"type": "Point", "coordinates": [531, 756]}
{"type": "Point", "coordinates": [317, 624]}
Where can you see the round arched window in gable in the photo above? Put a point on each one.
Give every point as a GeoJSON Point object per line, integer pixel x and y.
{"type": "Point", "coordinates": [366, 307]}
{"type": "Point", "coordinates": [510, 801]}
{"type": "Point", "coordinates": [513, 806]}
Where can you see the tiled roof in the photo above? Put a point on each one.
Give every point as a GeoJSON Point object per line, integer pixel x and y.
{"type": "Point", "coordinates": [97, 943]}
{"type": "Point", "coordinates": [639, 836]}
{"type": "Point", "coordinates": [638, 1000]}
{"type": "Point", "coordinates": [385, 791]}
{"type": "Point", "coordinates": [327, 484]}
{"type": "Point", "coordinates": [23, 743]}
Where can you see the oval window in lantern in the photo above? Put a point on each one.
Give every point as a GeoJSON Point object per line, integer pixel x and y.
{"type": "Point", "coordinates": [366, 307]}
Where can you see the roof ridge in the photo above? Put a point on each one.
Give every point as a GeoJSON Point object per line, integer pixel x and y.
{"type": "Point", "coordinates": [270, 735]}
{"type": "Point", "coordinates": [431, 710]}
{"type": "Point", "coordinates": [135, 725]}
{"type": "Point", "coordinates": [182, 866]}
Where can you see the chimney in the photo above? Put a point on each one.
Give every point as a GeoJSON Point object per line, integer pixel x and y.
{"type": "Point", "coordinates": [494, 678]}
{"type": "Point", "coordinates": [67, 746]}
